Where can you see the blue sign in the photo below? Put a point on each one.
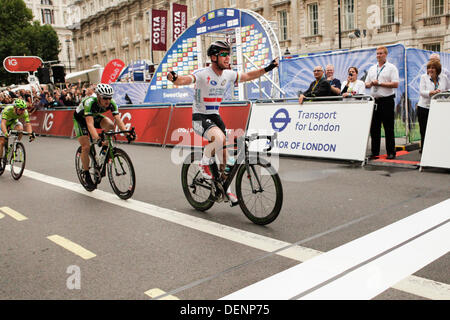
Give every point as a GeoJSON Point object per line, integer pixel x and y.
{"type": "Point", "coordinates": [280, 123]}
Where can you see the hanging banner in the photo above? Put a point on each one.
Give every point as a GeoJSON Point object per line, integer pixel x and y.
{"type": "Point", "coordinates": [159, 30]}
{"type": "Point", "coordinates": [179, 20]}
{"type": "Point", "coordinates": [112, 71]}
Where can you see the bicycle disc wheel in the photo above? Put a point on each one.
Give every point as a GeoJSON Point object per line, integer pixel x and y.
{"type": "Point", "coordinates": [79, 169]}
{"type": "Point", "coordinates": [259, 192]}
{"type": "Point", "coordinates": [121, 174]}
{"type": "Point", "coordinates": [197, 189]}
{"type": "Point", "coordinates": [17, 162]}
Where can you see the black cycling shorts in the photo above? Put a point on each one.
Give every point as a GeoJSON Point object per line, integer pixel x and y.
{"type": "Point", "coordinates": [203, 122]}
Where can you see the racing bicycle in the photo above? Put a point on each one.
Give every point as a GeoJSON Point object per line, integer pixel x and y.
{"type": "Point", "coordinates": [14, 154]}
{"type": "Point", "coordinates": [258, 186]}
{"type": "Point", "coordinates": [112, 159]}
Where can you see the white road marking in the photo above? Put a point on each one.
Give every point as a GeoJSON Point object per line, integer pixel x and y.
{"type": "Point", "coordinates": [365, 267]}
{"type": "Point", "coordinates": [13, 214]}
{"type": "Point", "coordinates": [412, 284]}
{"type": "Point", "coordinates": [72, 247]}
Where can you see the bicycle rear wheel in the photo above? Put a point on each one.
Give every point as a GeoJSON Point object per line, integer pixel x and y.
{"type": "Point", "coordinates": [121, 174]}
{"type": "Point", "coordinates": [197, 189]}
{"type": "Point", "coordinates": [79, 169]}
{"type": "Point", "coordinates": [17, 161]}
{"type": "Point", "coordinates": [259, 192]}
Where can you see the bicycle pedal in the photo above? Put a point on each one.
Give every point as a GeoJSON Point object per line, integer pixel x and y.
{"type": "Point", "coordinates": [233, 204]}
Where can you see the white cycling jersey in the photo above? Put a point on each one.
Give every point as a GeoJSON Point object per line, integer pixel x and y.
{"type": "Point", "coordinates": [210, 89]}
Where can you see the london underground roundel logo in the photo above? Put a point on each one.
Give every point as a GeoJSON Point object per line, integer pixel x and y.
{"type": "Point", "coordinates": [280, 120]}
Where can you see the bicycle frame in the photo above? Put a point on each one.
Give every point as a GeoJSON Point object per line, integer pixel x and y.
{"type": "Point", "coordinates": [242, 145]}
{"type": "Point", "coordinates": [11, 146]}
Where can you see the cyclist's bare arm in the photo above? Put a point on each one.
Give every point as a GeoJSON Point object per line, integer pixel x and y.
{"type": "Point", "coordinates": [4, 129]}
{"type": "Point", "coordinates": [120, 122]}
{"type": "Point", "coordinates": [28, 127]}
{"type": "Point", "coordinates": [180, 80]}
{"type": "Point", "coordinates": [252, 75]}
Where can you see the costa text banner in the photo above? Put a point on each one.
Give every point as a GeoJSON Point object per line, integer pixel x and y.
{"type": "Point", "coordinates": [179, 20]}
{"type": "Point", "coordinates": [336, 130]}
{"type": "Point", "coordinates": [159, 30]}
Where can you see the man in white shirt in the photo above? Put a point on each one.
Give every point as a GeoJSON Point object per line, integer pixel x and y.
{"type": "Point", "coordinates": [383, 80]}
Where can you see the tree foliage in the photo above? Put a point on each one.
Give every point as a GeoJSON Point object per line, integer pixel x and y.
{"type": "Point", "coordinates": [20, 36]}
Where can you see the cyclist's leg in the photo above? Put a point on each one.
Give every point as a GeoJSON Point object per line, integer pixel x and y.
{"type": "Point", "coordinates": [106, 123]}
{"type": "Point", "coordinates": [18, 127]}
{"type": "Point", "coordinates": [216, 144]}
{"type": "Point", "coordinates": [2, 144]}
{"type": "Point", "coordinates": [81, 133]}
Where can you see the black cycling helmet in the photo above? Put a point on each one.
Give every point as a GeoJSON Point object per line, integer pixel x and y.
{"type": "Point", "coordinates": [218, 46]}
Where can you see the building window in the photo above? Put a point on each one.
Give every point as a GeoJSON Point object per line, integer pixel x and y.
{"type": "Point", "coordinates": [432, 46]}
{"type": "Point", "coordinates": [283, 23]}
{"type": "Point", "coordinates": [194, 8]}
{"type": "Point", "coordinates": [232, 3]}
{"type": "Point", "coordinates": [388, 12]}
{"type": "Point", "coordinates": [138, 53]}
{"type": "Point", "coordinates": [313, 19]}
{"type": "Point", "coordinates": [47, 16]}
{"type": "Point", "coordinates": [349, 14]}
{"type": "Point", "coordinates": [46, 2]}
{"type": "Point", "coordinates": [212, 5]}
{"type": "Point", "coordinates": [435, 7]}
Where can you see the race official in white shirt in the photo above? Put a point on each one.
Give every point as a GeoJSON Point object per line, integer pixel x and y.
{"type": "Point", "coordinates": [383, 80]}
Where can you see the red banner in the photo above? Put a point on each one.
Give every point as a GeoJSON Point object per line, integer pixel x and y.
{"type": "Point", "coordinates": [53, 122]}
{"type": "Point", "coordinates": [112, 71]}
{"type": "Point", "coordinates": [22, 64]}
{"type": "Point", "coordinates": [159, 30]}
{"type": "Point", "coordinates": [179, 20]}
{"type": "Point", "coordinates": [180, 129]}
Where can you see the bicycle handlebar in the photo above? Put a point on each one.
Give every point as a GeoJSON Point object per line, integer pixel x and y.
{"type": "Point", "coordinates": [21, 132]}
{"type": "Point", "coordinates": [112, 133]}
{"type": "Point", "coordinates": [256, 136]}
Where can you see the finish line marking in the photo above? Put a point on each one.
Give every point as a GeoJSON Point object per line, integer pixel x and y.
{"type": "Point", "coordinates": [412, 284]}
{"type": "Point", "coordinates": [365, 267]}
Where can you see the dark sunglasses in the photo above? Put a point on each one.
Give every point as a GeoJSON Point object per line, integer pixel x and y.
{"type": "Point", "coordinates": [224, 54]}
{"type": "Point", "coordinates": [104, 98]}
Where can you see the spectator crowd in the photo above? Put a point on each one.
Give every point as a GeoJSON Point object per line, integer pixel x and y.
{"type": "Point", "coordinates": [48, 96]}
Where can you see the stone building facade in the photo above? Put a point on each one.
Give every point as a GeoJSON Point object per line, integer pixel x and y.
{"type": "Point", "coordinates": [104, 30]}
{"type": "Point", "coordinates": [54, 13]}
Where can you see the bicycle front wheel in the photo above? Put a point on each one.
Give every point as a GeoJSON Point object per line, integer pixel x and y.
{"type": "Point", "coordinates": [17, 161]}
{"type": "Point", "coordinates": [259, 192]}
{"type": "Point", "coordinates": [197, 189]}
{"type": "Point", "coordinates": [121, 174]}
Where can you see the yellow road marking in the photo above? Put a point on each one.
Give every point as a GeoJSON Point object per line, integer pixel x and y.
{"type": "Point", "coordinates": [72, 247]}
{"type": "Point", "coordinates": [153, 293]}
{"type": "Point", "coordinates": [13, 214]}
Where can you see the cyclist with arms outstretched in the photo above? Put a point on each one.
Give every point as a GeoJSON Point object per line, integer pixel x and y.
{"type": "Point", "coordinates": [10, 121]}
{"type": "Point", "coordinates": [210, 85]}
{"type": "Point", "coordinates": [89, 116]}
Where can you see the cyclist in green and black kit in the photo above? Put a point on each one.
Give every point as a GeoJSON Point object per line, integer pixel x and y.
{"type": "Point", "coordinates": [10, 121]}
{"type": "Point", "coordinates": [89, 116]}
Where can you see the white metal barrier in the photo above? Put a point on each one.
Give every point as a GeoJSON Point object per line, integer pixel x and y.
{"type": "Point", "coordinates": [323, 129]}
{"type": "Point", "coordinates": [436, 148]}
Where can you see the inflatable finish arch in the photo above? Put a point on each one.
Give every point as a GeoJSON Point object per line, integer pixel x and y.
{"type": "Point", "coordinates": [254, 45]}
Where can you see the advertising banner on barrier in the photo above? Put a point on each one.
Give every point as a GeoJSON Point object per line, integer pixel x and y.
{"type": "Point", "coordinates": [53, 122]}
{"type": "Point", "coordinates": [338, 130]}
{"type": "Point", "coordinates": [436, 147]}
{"type": "Point", "coordinates": [180, 129]}
{"type": "Point", "coordinates": [179, 20]}
{"type": "Point", "coordinates": [159, 30]}
{"type": "Point", "coordinates": [150, 123]}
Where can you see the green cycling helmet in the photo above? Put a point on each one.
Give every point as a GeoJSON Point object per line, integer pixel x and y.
{"type": "Point", "coordinates": [19, 103]}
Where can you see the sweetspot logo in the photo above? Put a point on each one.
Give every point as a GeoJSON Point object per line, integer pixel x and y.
{"type": "Point", "coordinates": [280, 120]}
